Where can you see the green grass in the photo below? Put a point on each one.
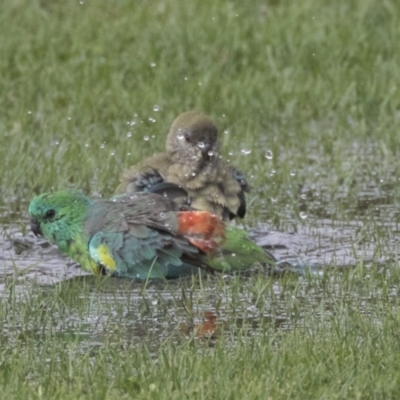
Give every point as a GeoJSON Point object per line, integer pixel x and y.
{"type": "Point", "coordinates": [315, 338]}
{"type": "Point", "coordinates": [317, 83]}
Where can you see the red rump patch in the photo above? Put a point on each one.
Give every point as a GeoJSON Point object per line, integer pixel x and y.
{"type": "Point", "coordinates": [208, 327]}
{"type": "Point", "coordinates": [201, 228]}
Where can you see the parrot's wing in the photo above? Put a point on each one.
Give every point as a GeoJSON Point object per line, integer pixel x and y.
{"type": "Point", "coordinates": [146, 180]}
{"type": "Point", "coordinates": [142, 236]}
{"type": "Point", "coordinates": [169, 190]}
{"type": "Point", "coordinates": [143, 176]}
{"type": "Point", "coordinates": [245, 187]}
{"type": "Point", "coordinates": [136, 181]}
{"type": "Point", "coordinates": [158, 255]}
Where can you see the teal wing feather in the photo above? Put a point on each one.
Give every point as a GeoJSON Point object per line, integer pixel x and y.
{"type": "Point", "coordinates": [159, 255]}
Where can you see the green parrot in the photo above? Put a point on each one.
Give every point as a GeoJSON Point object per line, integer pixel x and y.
{"type": "Point", "coordinates": [192, 161]}
{"type": "Point", "coordinates": [146, 235]}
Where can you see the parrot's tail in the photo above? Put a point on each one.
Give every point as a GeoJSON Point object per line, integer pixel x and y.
{"type": "Point", "coordinates": [204, 230]}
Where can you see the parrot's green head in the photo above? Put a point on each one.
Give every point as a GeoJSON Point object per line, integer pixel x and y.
{"type": "Point", "coordinates": [59, 216]}
{"type": "Point", "coordinates": [193, 139]}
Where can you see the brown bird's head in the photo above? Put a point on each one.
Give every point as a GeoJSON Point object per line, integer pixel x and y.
{"type": "Point", "coordinates": [193, 140]}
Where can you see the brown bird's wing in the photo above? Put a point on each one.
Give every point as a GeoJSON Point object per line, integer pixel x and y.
{"type": "Point", "coordinates": [245, 187]}
{"type": "Point", "coordinates": [143, 176]}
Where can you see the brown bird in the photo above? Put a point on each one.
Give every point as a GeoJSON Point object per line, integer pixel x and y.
{"type": "Point", "coordinates": [192, 161]}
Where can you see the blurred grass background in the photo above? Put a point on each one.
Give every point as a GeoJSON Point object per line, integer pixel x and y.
{"type": "Point", "coordinates": [316, 83]}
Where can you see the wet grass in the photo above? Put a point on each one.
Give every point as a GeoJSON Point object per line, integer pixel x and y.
{"type": "Point", "coordinates": [90, 88]}
{"type": "Point", "coordinates": [335, 336]}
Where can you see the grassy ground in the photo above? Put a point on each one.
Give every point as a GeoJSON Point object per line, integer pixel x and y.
{"type": "Point", "coordinates": [63, 342]}
{"type": "Point", "coordinates": [90, 88]}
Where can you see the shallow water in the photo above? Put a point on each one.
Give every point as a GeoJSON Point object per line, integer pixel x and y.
{"type": "Point", "coordinates": [341, 230]}
{"type": "Point", "coordinates": [127, 311]}
{"type": "Point", "coordinates": [314, 248]}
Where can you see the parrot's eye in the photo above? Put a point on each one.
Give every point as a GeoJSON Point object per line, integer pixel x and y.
{"type": "Point", "coordinates": [50, 214]}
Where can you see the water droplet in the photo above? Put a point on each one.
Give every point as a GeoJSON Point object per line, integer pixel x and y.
{"type": "Point", "coordinates": [153, 64]}
{"type": "Point", "coordinates": [128, 154]}
{"type": "Point", "coordinates": [273, 200]}
{"type": "Point", "coordinates": [233, 255]}
{"type": "Point", "coordinates": [29, 112]}
{"type": "Point", "coordinates": [273, 172]}
{"type": "Point", "coordinates": [112, 153]}
{"type": "Point", "coordinates": [151, 119]}
{"type": "Point", "coordinates": [154, 302]}
{"type": "Point", "coordinates": [129, 134]}
{"type": "Point", "coordinates": [303, 215]}
{"type": "Point", "coordinates": [201, 145]}
{"type": "Point", "coordinates": [199, 83]}
{"type": "Point", "coordinates": [303, 196]}
{"type": "Point", "coordinates": [56, 143]}
{"type": "Point", "coordinates": [226, 131]}
{"type": "Point", "coordinates": [253, 309]}
{"type": "Point", "coordinates": [210, 153]}
{"type": "Point", "coordinates": [102, 145]}
{"type": "Point", "coordinates": [180, 135]}
{"type": "Point", "coordinates": [156, 107]}
{"type": "Point", "coordinates": [230, 153]}
{"type": "Point", "coordinates": [69, 118]}
{"type": "Point", "coordinates": [132, 123]}
{"type": "Point", "coordinates": [223, 115]}
{"type": "Point", "coordinates": [245, 152]}
{"type": "Point", "coordinates": [81, 2]}
{"type": "Point", "coordinates": [146, 138]}
{"type": "Point", "coordinates": [293, 172]}
{"type": "Point", "coordinates": [86, 145]}
{"type": "Point", "coordinates": [193, 173]}
{"type": "Point", "coordinates": [269, 155]}
{"type": "Point", "coordinates": [185, 78]}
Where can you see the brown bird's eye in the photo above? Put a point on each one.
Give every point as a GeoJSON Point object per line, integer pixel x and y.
{"type": "Point", "coordinates": [50, 213]}
{"type": "Point", "coordinates": [187, 137]}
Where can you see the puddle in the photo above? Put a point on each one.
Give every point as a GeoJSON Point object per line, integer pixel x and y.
{"type": "Point", "coordinates": [343, 227]}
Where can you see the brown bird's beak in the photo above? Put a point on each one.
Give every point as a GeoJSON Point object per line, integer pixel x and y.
{"type": "Point", "coordinates": [35, 227]}
{"type": "Point", "coordinates": [205, 150]}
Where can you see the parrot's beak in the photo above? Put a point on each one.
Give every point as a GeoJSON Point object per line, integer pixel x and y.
{"type": "Point", "coordinates": [205, 151]}
{"type": "Point", "coordinates": [35, 227]}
